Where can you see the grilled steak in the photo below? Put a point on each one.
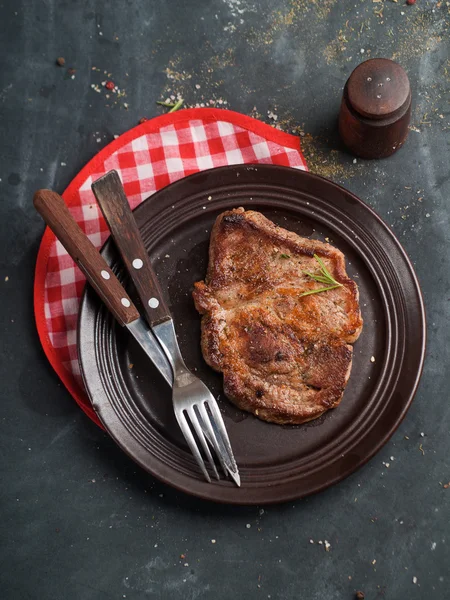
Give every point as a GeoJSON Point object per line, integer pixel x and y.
{"type": "Point", "coordinates": [284, 357]}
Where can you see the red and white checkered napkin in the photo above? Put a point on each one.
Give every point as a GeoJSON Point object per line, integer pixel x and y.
{"type": "Point", "coordinates": [147, 158]}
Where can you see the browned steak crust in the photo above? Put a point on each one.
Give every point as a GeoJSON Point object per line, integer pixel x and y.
{"type": "Point", "coordinates": [284, 357]}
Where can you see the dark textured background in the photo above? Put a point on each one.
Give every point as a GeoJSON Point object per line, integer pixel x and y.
{"type": "Point", "coordinates": [78, 519]}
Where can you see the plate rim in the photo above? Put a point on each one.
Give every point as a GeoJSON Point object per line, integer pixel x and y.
{"type": "Point", "coordinates": [189, 486]}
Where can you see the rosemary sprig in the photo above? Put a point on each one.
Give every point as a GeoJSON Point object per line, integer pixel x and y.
{"type": "Point", "coordinates": [178, 105]}
{"type": "Point", "coordinates": [173, 107]}
{"type": "Point", "coordinates": [324, 277]}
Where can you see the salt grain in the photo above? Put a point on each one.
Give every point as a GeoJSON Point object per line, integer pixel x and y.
{"type": "Point", "coordinates": [213, 541]}
{"type": "Point", "coordinates": [414, 580]}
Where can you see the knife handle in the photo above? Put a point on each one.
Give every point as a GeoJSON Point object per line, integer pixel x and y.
{"type": "Point", "coordinates": [114, 205]}
{"type": "Point", "coordinates": [55, 213]}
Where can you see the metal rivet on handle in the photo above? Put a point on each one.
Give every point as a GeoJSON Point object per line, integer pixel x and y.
{"type": "Point", "coordinates": [137, 263]}
{"type": "Point", "coordinates": [153, 303]}
{"type": "Point", "coordinates": [126, 302]}
{"type": "Point", "coordinates": [105, 274]}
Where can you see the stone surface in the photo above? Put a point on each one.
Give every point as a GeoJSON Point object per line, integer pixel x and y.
{"type": "Point", "coordinates": [79, 519]}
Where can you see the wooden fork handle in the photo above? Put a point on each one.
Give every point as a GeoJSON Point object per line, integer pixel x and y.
{"type": "Point", "coordinates": [114, 205]}
{"type": "Point", "coordinates": [55, 213]}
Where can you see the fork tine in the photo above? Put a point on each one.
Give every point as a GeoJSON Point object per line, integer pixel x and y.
{"type": "Point", "coordinates": [184, 426]}
{"type": "Point", "coordinates": [193, 417]}
{"type": "Point", "coordinates": [206, 420]}
{"type": "Point", "coordinates": [221, 428]}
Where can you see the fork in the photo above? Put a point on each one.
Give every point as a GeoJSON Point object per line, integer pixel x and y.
{"type": "Point", "coordinates": [196, 409]}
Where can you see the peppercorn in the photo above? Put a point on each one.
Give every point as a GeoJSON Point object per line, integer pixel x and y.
{"type": "Point", "coordinates": [60, 61]}
{"type": "Point", "coordinates": [360, 595]}
{"type": "Point", "coordinates": [110, 85]}
{"type": "Point", "coordinates": [142, 120]}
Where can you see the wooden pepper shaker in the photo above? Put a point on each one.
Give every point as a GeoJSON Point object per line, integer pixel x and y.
{"type": "Point", "coordinates": [375, 109]}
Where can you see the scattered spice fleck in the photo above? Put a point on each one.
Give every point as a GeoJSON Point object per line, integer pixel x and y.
{"type": "Point", "coordinates": [71, 72]}
{"type": "Point", "coordinates": [446, 485]}
{"type": "Point", "coordinates": [213, 541]}
{"type": "Point", "coordinates": [248, 525]}
{"type": "Point", "coordinates": [410, 2]}
{"type": "Point", "coordinates": [7, 278]}
{"type": "Point", "coordinates": [374, 561]}
{"type": "Point", "coordinates": [327, 546]}
{"type": "Point", "coordinates": [422, 434]}
{"type": "Point", "coordinates": [142, 120]}
{"type": "Point", "coordinates": [110, 85]}
{"type": "Point", "coordinates": [130, 366]}
{"type": "Point", "coordinates": [311, 541]}
{"type": "Point", "coordinates": [360, 595]}
{"type": "Point", "coordinates": [209, 197]}
{"type": "Point", "coordinates": [414, 580]}
{"type": "Point", "coordinates": [421, 449]}
{"type": "Point", "coordinates": [372, 359]}
{"type": "Point", "coordinates": [60, 61]}
{"type": "Point", "coordinates": [63, 164]}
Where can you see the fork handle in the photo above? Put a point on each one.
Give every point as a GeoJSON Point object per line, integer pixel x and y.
{"type": "Point", "coordinates": [55, 213]}
{"type": "Point", "coordinates": [114, 205]}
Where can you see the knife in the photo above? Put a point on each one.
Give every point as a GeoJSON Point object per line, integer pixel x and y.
{"type": "Point", "coordinates": [55, 213]}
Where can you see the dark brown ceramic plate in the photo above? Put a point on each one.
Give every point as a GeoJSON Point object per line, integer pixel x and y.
{"type": "Point", "coordinates": [276, 463]}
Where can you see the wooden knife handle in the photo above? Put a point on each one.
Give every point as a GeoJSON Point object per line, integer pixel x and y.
{"type": "Point", "coordinates": [117, 212]}
{"type": "Point", "coordinates": [55, 213]}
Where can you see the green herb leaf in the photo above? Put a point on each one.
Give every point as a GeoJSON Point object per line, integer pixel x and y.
{"type": "Point", "coordinates": [285, 256]}
{"type": "Point", "coordinates": [178, 105]}
{"type": "Point", "coordinates": [166, 104]}
{"type": "Point", "coordinates": [318, 290]}
{"type": "Point", "coordinates": [324, 277]}
{"type": "Point", "coordinates": [325, 271]}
